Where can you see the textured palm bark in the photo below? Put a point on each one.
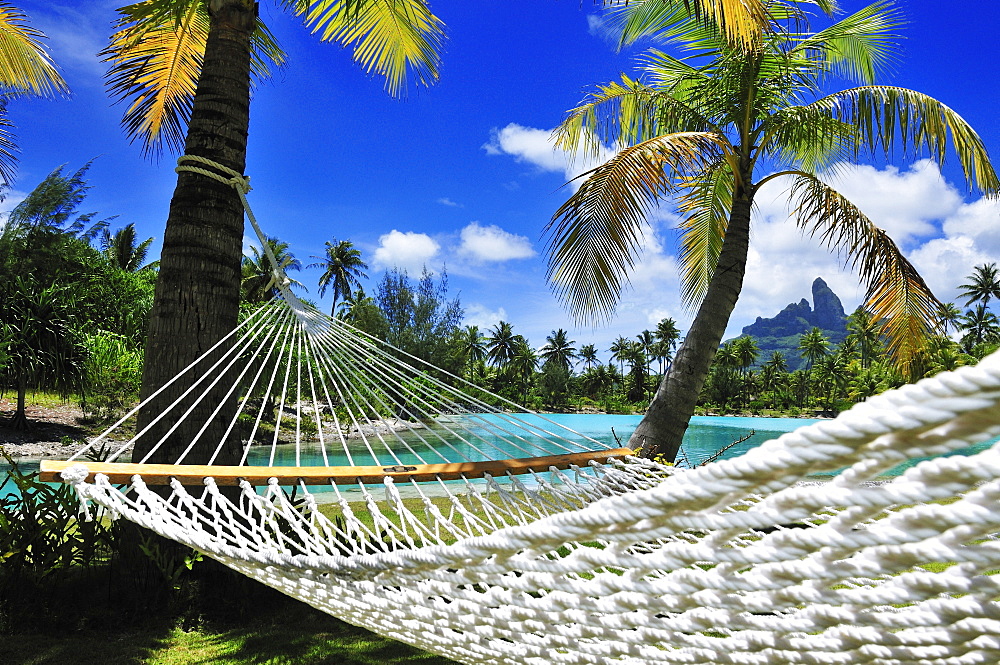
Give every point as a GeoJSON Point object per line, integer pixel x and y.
{"type": "Point", "coordinates": [197, 293]}
{"type": "Point", "coordinates": [661, 430]}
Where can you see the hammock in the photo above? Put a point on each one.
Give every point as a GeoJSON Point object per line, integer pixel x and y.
{"type": "Point", "coordinates": [402, 499]}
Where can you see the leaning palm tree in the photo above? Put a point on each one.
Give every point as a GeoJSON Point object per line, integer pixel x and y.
{"type": "Point", "coordinates": [343, 269]}
{"type": "Point", "coordinates": [710, 129]}
{"type": "Point", "coordinates": [25, 69]}
{"type": "Point", "coordinates": [983, 285]}
{"type": "Point", "coordinates": [183, 70]}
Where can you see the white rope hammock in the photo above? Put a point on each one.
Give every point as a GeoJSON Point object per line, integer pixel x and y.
{"type": "Point", "coordinates": [435, 530]}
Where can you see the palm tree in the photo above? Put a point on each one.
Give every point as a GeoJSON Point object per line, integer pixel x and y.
{"type": "Point", "coordinates": [25, 69]}
{"type": "Point", "coordinates": [123, 250]}
{"type": "Point", "coordinates": [501, 345]}
{"type": "Point", "coordinates": [183, 70]}
{"type": "Point", "coordinates": [588, 355]}
{"type": "Point", "coordinates": [258, 277]}
{"type": "Point", "coordinates": [619, 349]}
{"type": "Point", "coordinates": [473, 347]}
{"type": "Point", "coordinates": [746, 352]}
{"type": "Point", "coordinates": [523, 363]}
{"type": "Point", "coordinates": [342, 269]}
{"type": "Point", "coordinates": [980, 325]}
{"type": "Point", "coordinates": [864, 334]}
{"type": "Point", "coordinates": [558, 349]}
{"type": "Point", "coordinates": [646, 340]}
{"type": "Point", "coordinates": [701, 126]}
{"type": "Point", "coordinates": [948, 316]}
{"type": "Point", "coordinates": [983, 284]}
{"type": "Point", "coordinates": [814, 345]}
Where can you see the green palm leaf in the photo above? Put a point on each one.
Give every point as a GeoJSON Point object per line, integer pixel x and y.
{"type": "Point", "coordinates": [885, 116]}
{"type": "Point", "coordinates": [393, 38]}
{"type": "Point", "coordinates": [708, 200]}
{"type": "Point", "coordinates": [857, 47]}
{"type": "Point", "coordinates": [25, 65]}
{"type": "Point", "coordinates": [897, 295]}
{"type": "Point", "coordinates": [156, 54]}
{"type": "Point", "coordinates": [596, 236]}
{"type": "Point", "coordinates": [741, 21]}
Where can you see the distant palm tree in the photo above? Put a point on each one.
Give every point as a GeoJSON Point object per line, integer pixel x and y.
{"type": "Point", "coordinates": [646, 339]}
{"type": "Point", "coordinates": [558, 349]}
{"type": "Point", "coordinates": [813, 346]}
{"type": "Point", "coordinates": [342, 270]}
{"type": "Point", "coordinates": [523, 363]}
{"type": "Point", "coordinates": [501, 345]}
{"type": "Point", "coordinates": [980, 325]}
{"type": "Point", "coordinates": [864, 334]}
{"type": "Point", "coordinates": [983, 285]}
{"type": "Point", "coordinates": [352, 304]}
{"type": "Point", "coordinates": [258, 276]}
{"type": "Point", "coordinates": [123, 251]}
{"type": "Point", "coordinates": [746, 352]}
{"type": "Point", "coordinates": [588, 355]}
{"type": "Point", "coordinates": [473, 345]}
{"type": "Point", "coordinates": [948, 316]}
{"type": "Point", "coordinates": [619, 350]}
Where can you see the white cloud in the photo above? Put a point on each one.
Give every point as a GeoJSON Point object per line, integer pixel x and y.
{"type": "Point", "coordinates": [491, 243]}
{"type": "Point", "coordinates": [445, 201]}
{"type": "Point", "coordinates": [484, 317]}
{"type": "Point", "coordinates": [534, 146]}
{"type": "Point", "coordinates": [407, 251]}
{"type": "Point", "coordinates": [76, 35]}
{"type": "Point", "coordinates": [904, 203]}
{"type": "Point", "coordinates": [10, 201]}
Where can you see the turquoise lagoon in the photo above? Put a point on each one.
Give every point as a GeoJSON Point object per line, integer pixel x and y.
{"type": "Point", "coordinates": [706, 435]}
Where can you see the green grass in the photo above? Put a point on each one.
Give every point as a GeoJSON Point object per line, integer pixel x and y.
{"type": "Point", "coordinates": [315, 641]}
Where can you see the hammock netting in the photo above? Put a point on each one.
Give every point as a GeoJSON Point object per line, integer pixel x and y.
{"type": "Point", "coordinates": [402, 499]}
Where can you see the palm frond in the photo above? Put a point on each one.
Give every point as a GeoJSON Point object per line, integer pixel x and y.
{"type": "Point", "coordinates": [859, 46]}
{"type": "Point", "coordinates": [25, 65]}
{"type": "Point", "coordinates": [622, 114]}
{"type": "Point", "coordinates": [897, 297]}
{"type": "Point", "coordinates": [8, 147]}
{"type": "Point", "coordinates": [886, 116]}
{"type": "Point", "coordinates": [708, 200]}
{"type": "Point", "coordinates": [595, 237]}
{"type": "Point", "coordinates": [742, 22]}
{"type": "Point", "coordinates": [392, 38]}
{"type": "Point", "coordinates": [155, 57]}
{"type": "Point", "coordinates": [809, 137]}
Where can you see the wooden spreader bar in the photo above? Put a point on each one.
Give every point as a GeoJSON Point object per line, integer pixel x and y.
{"type": "Point", "coordinates": [191, 474]}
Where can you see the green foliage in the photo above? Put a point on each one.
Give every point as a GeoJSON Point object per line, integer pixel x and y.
{"type": "Point", "coordinates": [112, 373]}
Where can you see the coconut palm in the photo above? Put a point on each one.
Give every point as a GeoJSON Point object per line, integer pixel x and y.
{"type": "Point", "coordinates": [558, 349]}
{"type": "Point", "coordinates": [588, 356]}
{"type": "Point", "coordinates": [123, 250]}
{"type": "Point", "coordinates": [980, 325]}
{"type": "Point", "coordinates": [701, 127]}
{"type": "Point", "coordinates": [501, 344]}
{"type": "Point", "coordinates": [619, 350]}
{"type": "Point", "coordinates": [25, 69]}
{"type": "Point", "coordinates": [523, 364]}
{"type": "Point", "coordinates": [982, 286]}
{"type": "Point", "coordinates": [343, 270]}
{"type": "Point", "coordinates": [948, 316]}
{"type": "Point", "coordinates": [473, 347]}
{"type": "Point", "coordinates": [258, 282]}
{"type": "Point", "coordinates": [182, 69]}
{"type": "Point", "coordinates": [864, 334]}
{"type": "Point", "coordinates": [813, 345]}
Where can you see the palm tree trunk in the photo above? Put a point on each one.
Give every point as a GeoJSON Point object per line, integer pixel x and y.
{"type": "Point", "coordinates": [197, 294]}
{"type": "Point", "coordinates": [662, 428]}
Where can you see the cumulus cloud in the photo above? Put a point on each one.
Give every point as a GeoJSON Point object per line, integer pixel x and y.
{"type": "Point", "coordinates": [407, 251]}
{"type": "Point", "coordinates": [491, 243]}
{"type": "Point", "coordinates": [534, 146]}
{"type": "Point", "coordinates": [482, 316]}
{"type": "Point", "coordinates": [903, 202]}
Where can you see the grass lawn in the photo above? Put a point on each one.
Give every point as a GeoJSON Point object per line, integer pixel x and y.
{"type": "Point", "coordinates": [293, 639]}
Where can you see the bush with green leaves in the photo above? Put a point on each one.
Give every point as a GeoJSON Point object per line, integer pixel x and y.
{"type": "Point", "coordinates": [112, 374]}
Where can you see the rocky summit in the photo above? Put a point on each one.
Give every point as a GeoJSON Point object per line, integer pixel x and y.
{"type": "Point", "coordinates": [782, 332]}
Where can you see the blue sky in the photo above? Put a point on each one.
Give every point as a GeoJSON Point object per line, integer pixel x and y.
{"type": "Point", "coordinates": [461, 175]}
